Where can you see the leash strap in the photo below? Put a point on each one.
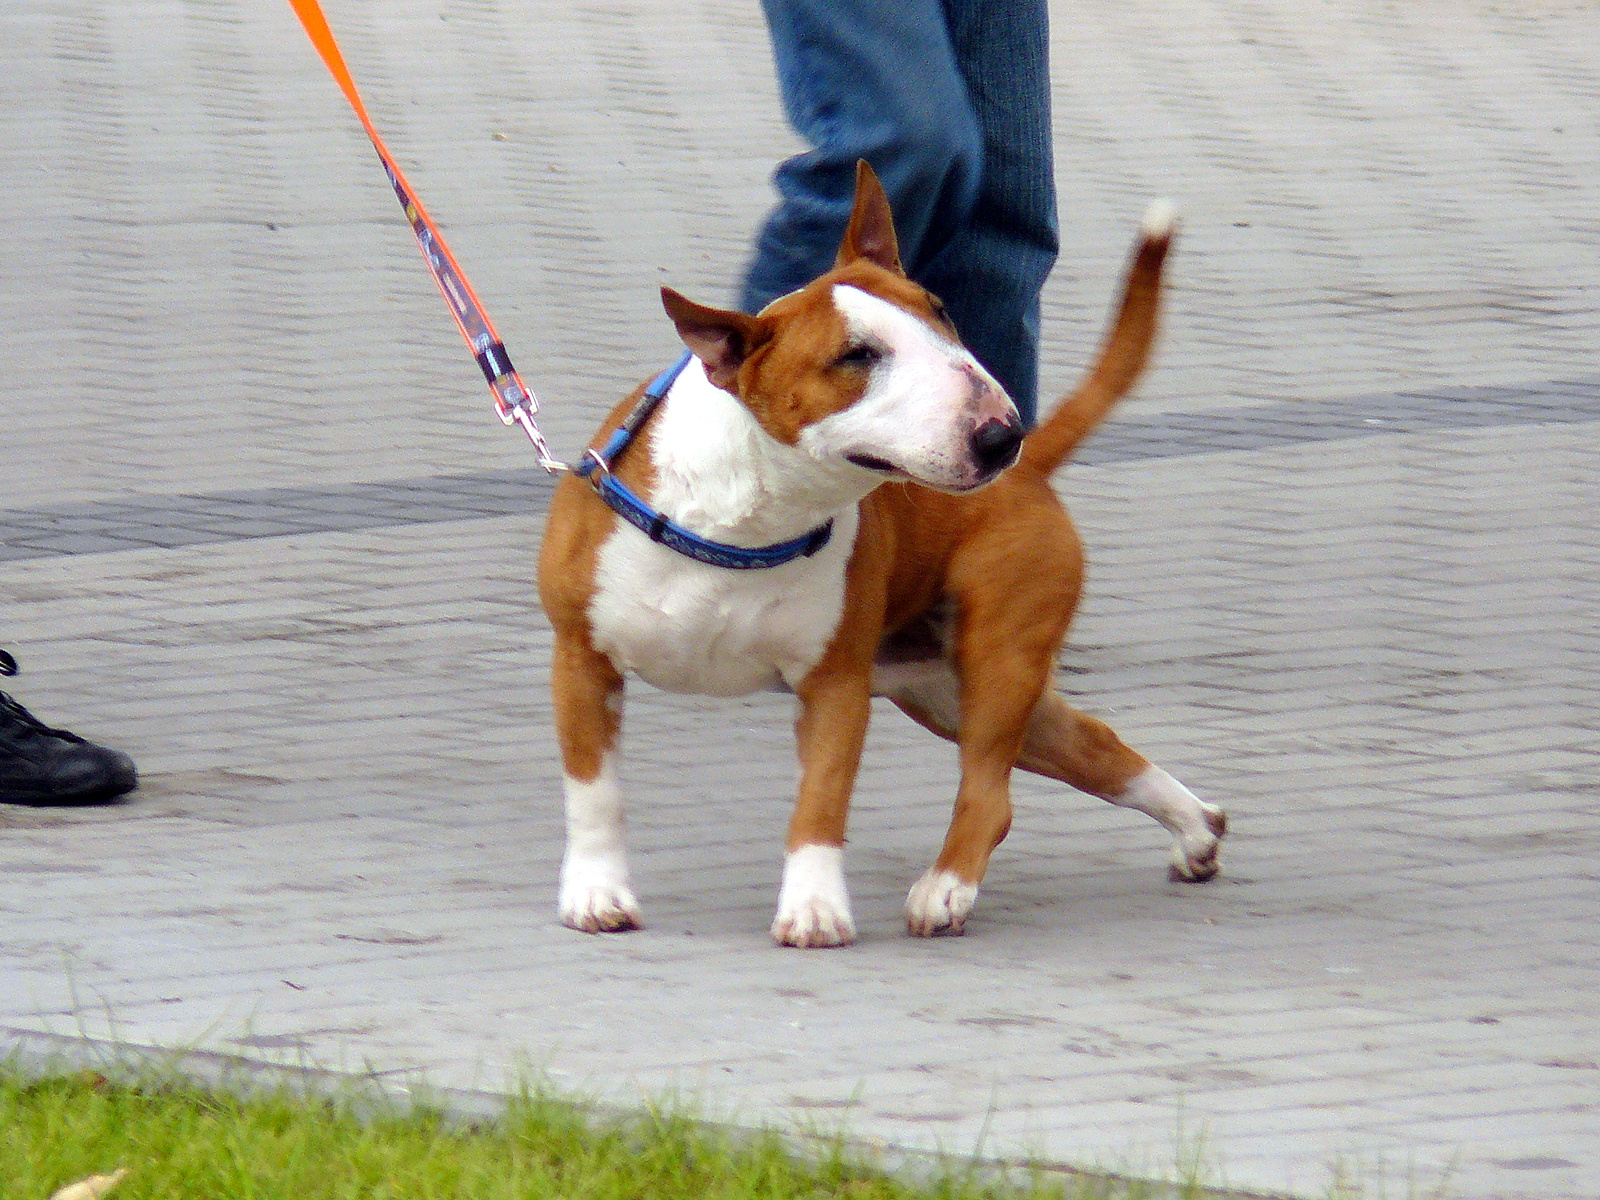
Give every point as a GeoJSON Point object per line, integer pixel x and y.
{"type": "Point", "coordinates": [595, 466]}
{"type": "Point", "coordinates": [514, 402]}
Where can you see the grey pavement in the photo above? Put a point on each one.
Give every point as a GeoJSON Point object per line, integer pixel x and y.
{"type": "Point", "coordinates": [259, 527]}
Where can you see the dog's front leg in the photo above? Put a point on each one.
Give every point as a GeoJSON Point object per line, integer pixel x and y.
{"type": "Point", "coordinates": [830, 729]}
{"type": "Point", "coordinates": [596, 895]}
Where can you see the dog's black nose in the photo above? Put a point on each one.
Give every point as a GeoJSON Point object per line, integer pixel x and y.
{"type": "Point", "coordinates": [995, 444]}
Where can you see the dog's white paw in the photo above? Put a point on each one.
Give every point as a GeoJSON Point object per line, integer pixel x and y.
{"type": "Point", "coordinates": [1196, 827]}
{"type": "Point", "coordinates": [596, 897]}
{"type": "Point", "coordinates": [813, 925]}
{"type": "Point", "coordinates": [813, 904]}
{"type": "Point", "coordinates": [1195, 851]}
{"type": "Point", "coordinates": [939, 903]}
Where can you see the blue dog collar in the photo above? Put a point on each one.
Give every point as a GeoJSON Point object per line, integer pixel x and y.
{"type": "Point", "coordinates": [595, 466]}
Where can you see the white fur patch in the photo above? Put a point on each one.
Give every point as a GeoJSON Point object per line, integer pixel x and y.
{"type": "Point", "coordinates": [595, 891]}
{"type": "Point", "coordinates": [814, 904]}
{"type": "Point", "coordinates": [1190, 820]}
{"type": "Point", "coordinates": [684, 626]}
{"type": "Point", "coordinates": [925, 398]}
{"type": "Point", "coordinates": [1160, 219]}
{"type": "Point", "coordinates": [939, 902]}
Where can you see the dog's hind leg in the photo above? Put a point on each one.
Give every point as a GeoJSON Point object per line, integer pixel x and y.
{"type": "Point", "coordinates": [596, 895]}
{"type": "Point", "coordinates": [1063, 743]}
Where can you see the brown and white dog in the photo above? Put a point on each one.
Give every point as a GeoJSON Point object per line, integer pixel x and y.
{"type": "Point", "coordinates": [947, 586]}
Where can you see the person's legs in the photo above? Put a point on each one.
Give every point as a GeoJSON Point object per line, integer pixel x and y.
{"type": "Point", "coordinates": [44, 766]}
{"type": "Point", "coordinates": [949, 100]}
{"type": "Point", "coordinates": [991, 272]}
{"type": "Point", "coordinates": [872, 79]}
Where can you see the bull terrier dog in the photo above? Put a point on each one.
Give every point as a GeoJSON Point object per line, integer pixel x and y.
{"type": "Point", "coordinates": [834, 497]}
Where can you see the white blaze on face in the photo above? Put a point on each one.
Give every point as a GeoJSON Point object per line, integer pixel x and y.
{"type": "Point", "coordinates": [925, 396]}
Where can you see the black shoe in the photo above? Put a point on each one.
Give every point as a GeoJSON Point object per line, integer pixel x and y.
{"type": "Point", "coordinates": [40, 765]}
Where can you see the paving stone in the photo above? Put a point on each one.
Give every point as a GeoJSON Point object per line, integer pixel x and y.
{"type": "Point", "coordinates": [259, 528]}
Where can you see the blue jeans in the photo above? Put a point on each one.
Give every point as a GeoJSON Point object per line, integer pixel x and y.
{"type": "Point", "coordinates": [949, 100]}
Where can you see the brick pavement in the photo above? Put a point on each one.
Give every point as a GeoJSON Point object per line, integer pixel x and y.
{"type": "Point", "coordinates": [1376, 650]}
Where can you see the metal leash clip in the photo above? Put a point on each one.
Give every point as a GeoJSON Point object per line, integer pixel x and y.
{"type": "Point", "coordinates": [521, 413]}
{"type": "Point", "coordinates": [513, 399]}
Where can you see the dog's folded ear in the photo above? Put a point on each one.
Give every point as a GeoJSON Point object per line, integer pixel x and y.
{"type": "Point", "coordinates": [870, 234]}
{"type": "Point", "coordinates": [720, 338]}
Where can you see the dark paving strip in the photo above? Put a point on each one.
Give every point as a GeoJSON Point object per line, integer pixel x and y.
{"type": "Point", "coordinates": [1288, 423]}
{"type": "Point", "coordinates": [145, 522]}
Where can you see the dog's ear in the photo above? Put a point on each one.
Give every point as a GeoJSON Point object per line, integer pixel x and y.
{"type": "Point", "coordinates": [870, 234]}
{"type": "Point", "coordinates": [720, 338]}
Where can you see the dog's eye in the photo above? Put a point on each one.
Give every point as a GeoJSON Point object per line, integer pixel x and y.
{"type": "Point", "coordinates": [939, 310]}
{"type": "Point", "coordinates": [861, 355]}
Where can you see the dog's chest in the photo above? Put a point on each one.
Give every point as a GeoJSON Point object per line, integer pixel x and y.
{"type": "Point", "coordinates": [684, 626]}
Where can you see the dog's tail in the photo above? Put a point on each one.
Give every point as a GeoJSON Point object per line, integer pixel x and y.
{"type": "Point", "coordinates": [1122, 357]}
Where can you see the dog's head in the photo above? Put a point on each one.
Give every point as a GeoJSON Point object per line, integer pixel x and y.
{"type": "Point", "coordinates": [862, 366]}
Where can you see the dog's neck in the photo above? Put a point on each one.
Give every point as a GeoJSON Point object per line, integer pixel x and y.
{"type": "Point", "coordinates": [720, 474]}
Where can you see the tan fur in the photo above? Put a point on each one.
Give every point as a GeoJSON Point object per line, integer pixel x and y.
{"type": "Point", "coordinates": [585, 687]}
{"type": "Point", "coordinates": [1006, 559]}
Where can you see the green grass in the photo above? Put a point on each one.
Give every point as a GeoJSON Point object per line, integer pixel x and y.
{"type": "Point", "coordinates": [184, 1142]}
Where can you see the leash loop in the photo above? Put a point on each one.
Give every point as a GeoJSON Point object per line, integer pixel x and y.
{"type": "Point", "coordinates": [593, 467]}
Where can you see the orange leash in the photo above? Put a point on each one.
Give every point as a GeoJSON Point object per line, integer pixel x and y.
{"type": "Point", "coordinates": [515, 403]}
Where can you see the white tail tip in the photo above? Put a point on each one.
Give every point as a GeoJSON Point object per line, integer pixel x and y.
{"type": "Point", "coordinates": [1160, 219]}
